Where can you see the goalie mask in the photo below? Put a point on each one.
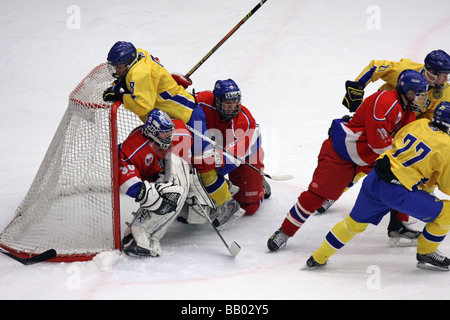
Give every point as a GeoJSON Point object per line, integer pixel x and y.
{"type": "Point", "coordinates": [413, 85]}
{"type": "Point", "coordinates": [227, 97]}
{"type": "Point", "coordinates": [159, 127]}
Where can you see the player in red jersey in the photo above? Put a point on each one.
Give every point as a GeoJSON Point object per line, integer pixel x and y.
{"type": "Point", "coordinates": [353, 146]}
{"type": "Point", "coordinates": [142, 153]}
{"type": "Point", "coordinates": [232, 126]}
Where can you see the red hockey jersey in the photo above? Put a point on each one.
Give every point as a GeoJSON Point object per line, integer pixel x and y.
{"type": "Point", "coordinates": [370, 131]}
{"type": "Point", "coordinates": [142, 159]}
{"type": "Point", "coordinates": [241, 135]}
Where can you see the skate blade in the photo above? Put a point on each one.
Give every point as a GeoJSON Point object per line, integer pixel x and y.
{"type": "Point", "coordinates": [427, 266]}
{"type": "Point", "coordinates": [395, 242]}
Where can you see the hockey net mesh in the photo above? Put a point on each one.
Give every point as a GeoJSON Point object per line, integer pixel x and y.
{"type": "Point", "coordinates": [70, 205]}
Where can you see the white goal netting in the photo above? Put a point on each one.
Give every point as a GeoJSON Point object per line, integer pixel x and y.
{"type": "Point", "coordinates": [72, 205]}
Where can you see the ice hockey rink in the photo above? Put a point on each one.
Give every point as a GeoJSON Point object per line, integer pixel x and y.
{"type": "Point", "coordinates": [291, 60]}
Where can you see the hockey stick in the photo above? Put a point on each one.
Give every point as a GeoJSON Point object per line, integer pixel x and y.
{"type": "Point", "coordinates": [44, 256]}
{"type": "Point", "coordinates": [234, 248]}
{"type": "Point", "coordinates": [229, 34]}
{"type": "Point", "coordinates": [241, 160]}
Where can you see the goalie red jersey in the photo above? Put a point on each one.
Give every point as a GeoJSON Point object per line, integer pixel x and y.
{"type": "Point", "coordinates": [142, 159]}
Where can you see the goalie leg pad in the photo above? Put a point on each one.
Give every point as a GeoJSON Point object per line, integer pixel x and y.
{"type": "Point", "coordinates": [177, 172]}
{"type": "Point", "coordinates": [160, 204]}
{"type": "Point", "coordinates": [138, 242]}
{"type": "Point", "coordinates": [198, 200]}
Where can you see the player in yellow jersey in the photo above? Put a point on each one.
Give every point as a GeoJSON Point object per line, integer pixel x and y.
{"type": "Point", "coordinates": [435, 69]}
{"type": "Point", "coordinates": [146, 84]}
{"type": "Point", "coordinates": [419, 160]}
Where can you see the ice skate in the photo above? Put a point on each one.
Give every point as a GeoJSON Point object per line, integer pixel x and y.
{"type": "Point", "coordinates": [401, 235]}
{"type": "Point", "coordinates": [267, 189]}
{"type": "Point", "coordinates": [277, 240]}
{"type": "Point", "coordinates": [325, 206]}
{"type": "Point", "coordinates": [433, 261]}
{"type": "Point", "coordinates": [312, 263]}
{"type": "Point", "coordinates": [227, 214]}
{"type": "Point", "coordinates": [130, 248]}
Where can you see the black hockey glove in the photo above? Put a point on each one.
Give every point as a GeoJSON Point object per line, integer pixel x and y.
{"type": "Point", "coordinates": [115, 92]}
{"type": "Point", "coordinates": [354, 95]}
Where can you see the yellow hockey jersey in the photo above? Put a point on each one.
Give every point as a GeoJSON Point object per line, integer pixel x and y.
{"type": "Point", "coordinates": [151, 86]}
{"type": "Point", "coordinates": [388, 71]}
{"type": "Point", "coordinates": [419, 157]}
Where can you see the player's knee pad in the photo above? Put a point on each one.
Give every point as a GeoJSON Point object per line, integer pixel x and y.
{"type": "Point", "coordinates": [443, 220]}
{"type": "Point", "coordinates": [250, 208]}
{"type": "Point", "coordinates": [344, 231]}
{"type": "Point", "coordinates": [354, 226]}
{"type": "Point", "coordinates": [311, 201]}
{"type": "Point", "coordinates": [249, 181]}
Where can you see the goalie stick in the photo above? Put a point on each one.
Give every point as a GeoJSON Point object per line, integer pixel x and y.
{"type": "Point", "coordinates": [44, 256]}
{"type": "Point", "coordinates": [241, 160]}
{"type": "Point", "coordinates": [234, 248]}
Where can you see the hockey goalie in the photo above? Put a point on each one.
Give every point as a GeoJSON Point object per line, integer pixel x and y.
{"type": "Point", "coordinates": [155, 170]}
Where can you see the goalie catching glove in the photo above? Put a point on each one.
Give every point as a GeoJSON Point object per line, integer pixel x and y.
{"type": "Point", "coordinates": [160, 198]}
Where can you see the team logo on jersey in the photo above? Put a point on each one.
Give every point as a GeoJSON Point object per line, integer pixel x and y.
{"type": "Point", "coordinates": [148, 159]}
{"type": "Point", "coordinates": [437, 93]}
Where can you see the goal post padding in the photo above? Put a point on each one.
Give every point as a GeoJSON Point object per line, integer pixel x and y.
{"type": "Point", "coordinates": [73, 204]}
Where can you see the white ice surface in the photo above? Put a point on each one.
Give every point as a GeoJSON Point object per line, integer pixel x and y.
{"type": "Point", "coordinates": [291, 60]}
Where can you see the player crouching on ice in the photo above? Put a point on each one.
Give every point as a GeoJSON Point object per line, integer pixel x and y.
{"type": "Point", "coordinates": [233, 127]}
{"type": "Point", "coordinates": [155, 170]}
{"type": "Point", "coordinates": [418, 160]}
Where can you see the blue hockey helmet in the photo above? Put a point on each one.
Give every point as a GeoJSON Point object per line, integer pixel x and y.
{"type": "Point", "coordinates": [441, 116]}
{"type": "Point", "coordinates": [122, 52]}
{"type": "Point", "coordinates": [227, 98]}
{"type": "Point", "coordinates": [437, 68]}
{"type": "Point", "coordinates": [121, 57]}
{"type": "Point", "coordinates": [414, 86]}
{"type": "Point", "coordinates": [159, 127]}
{"type": "Point", "coordinates": [437, 61]}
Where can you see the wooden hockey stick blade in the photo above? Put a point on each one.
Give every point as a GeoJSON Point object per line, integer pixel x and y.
{"type": "Point", "coordinates": [234, 249]}
{"type": "Point", "coordinates": [44, 256]}
{"type": "Point", "coordinates": [283, 177]}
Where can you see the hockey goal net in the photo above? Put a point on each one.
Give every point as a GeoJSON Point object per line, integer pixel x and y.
{"type": "Point", "coordinates": [73, 204]}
